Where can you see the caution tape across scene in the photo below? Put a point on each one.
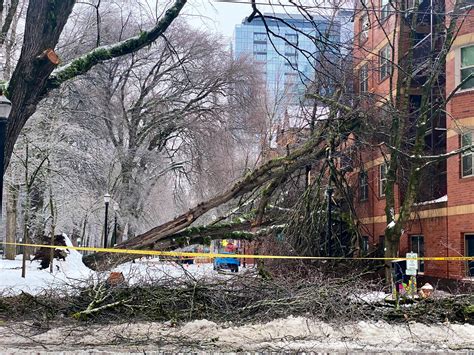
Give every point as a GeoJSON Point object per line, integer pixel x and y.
{"type": "Point", "coordinates": [239, 256]}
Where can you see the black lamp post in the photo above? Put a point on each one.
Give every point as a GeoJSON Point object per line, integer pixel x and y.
{"type": "Point", "coordinates": [329, 192]}
{"type": "Point", "coordinates": [106, 232]}
{"type": "Point", "coordinates": [5, 108]}
{"type": "Point", "coordinates": [114, 236]}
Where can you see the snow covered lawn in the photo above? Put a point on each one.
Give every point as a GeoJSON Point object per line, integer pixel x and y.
{"type": "Point", "coordinates": [72, 272]}
{"type": "Point", "coordinates": [69, 272]}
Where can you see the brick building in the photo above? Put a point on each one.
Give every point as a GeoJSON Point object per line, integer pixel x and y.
{"type": "Point", "coordinates": [442, 222]}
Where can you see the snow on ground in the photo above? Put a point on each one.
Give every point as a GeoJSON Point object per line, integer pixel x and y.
{"type": "Point", "coordinates": [370, 297]}
{"type": "Point", "coordinates": [72, 272]}
{"type": "Point", "coordinates": [69, 272]}
{"type": "Point", "coordinates": [291, 334]}
{"type": "Point", "coordinates": [148, 270]}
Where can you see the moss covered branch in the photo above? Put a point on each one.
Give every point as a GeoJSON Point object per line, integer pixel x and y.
{"type": "Point", "coordinates": [85, 62]}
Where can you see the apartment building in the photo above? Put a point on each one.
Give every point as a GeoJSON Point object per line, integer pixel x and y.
{"type": "Point", "coordinates": [276, 43]}
{"type": "Point", "coordinates": [442, 222]}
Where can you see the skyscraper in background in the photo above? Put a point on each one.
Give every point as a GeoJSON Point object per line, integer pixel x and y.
{"type": "Point", "coordinates": [286, 70]}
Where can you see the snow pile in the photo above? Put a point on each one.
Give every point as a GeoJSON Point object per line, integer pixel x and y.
{"type": "Point", "coordinates": [370, 297]}
{"type": "Point", "coordinates": [150, 270]}
{"type": "Point", "coordinates": [291, 334]}
{"type": "Point", "coordinates": [299, 333]}
{"type": "Point", "coordinates": [65, 273]}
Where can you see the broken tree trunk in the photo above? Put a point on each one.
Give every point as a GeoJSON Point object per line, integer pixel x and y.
{"type": "Point", "coordinates": [276, 168]}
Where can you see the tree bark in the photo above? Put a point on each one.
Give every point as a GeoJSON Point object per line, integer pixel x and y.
{"type": "Point", "coordinates": [45, 20]}
{"type": "Point", "coordinates": [32, 79]}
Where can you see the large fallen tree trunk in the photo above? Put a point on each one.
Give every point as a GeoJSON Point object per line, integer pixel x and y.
{"type": "Point", "coordinates": [276, 169]}
{"type": "Point", "coordinates": [241, 230]}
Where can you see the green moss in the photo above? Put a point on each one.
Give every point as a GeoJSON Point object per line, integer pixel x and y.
{"type": "Point", "coordinates": [469, 310]}
{"type": "Point", "coordinates": [182, 241]}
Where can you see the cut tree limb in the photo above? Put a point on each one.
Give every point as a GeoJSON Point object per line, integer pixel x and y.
{"type": "Point", "coordinates": [32, 78]}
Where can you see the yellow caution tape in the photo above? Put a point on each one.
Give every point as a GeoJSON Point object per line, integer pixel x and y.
{"type": "Point", "coordinates": [238, 256]}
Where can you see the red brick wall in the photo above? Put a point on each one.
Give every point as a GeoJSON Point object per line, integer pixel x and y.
{"type": "Point", "coordinates": [460, 190]}
{"type": "Point", "coordinates": [443, 236]}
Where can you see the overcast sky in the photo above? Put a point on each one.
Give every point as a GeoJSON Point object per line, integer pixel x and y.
{"type": "Point", "coordinates": [220, 17]}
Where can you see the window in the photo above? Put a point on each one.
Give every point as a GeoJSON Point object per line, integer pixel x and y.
{"type": "Point", "coordinates": [364, 28]}
{"type": "Point", "coordinates": [467, 67]}
{"type": "Point", "coordinates": [292, 38]}
{"type": "Point", "coordinates": [469, 243]}
{"type": "Point", "coordinates": [384, 9]}
{"type": "Point", "coordinates": [364, 79]}
{"type": "Point", "coordinates": [290, 78]}
{"type": "Point", "coordinates": [365, 245]}
{"type": "Point", "coordinates": [466, 157]}
{"type": "Point", "coordinates": [260, 47]}
{"type": "Point", "coordinates": [289, 49]}
{"type": "Point", "coordinates": [385, 58]}
{"type": "Point", "coordinates": [261, 57]}
{"type": "Point", "coordinates": [363, 186]}
{"type": "Point", "coordinates": [418, 246]}
{"type": "Point", "coordinates": [383, 179]}
{"type": "Point", "coordinates": [260, 37]}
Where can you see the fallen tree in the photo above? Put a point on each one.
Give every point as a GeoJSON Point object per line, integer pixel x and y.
{"type": "Point", "coordinates": [275, 170]}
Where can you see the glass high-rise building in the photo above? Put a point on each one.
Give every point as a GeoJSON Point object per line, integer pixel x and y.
{"type": "Point", "coordinates": [287, 70]}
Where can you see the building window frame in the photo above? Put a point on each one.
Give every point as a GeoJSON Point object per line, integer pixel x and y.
{"type": "Point", "coordinates": [364, 26]}
{"type": "Point", "coordinates": [292, 38]}
{"type": "Point", "coordinates": [467, 157]}
{"type": "Point", "coordinates": [259, 37]}
{"type": "Point", "coordinates": [382, 179]}
{"type": "Point", "coordinates": [384, 9]}
{"type": "Point", "coordinates": [260, 57]}
{"type": "Point", "coordinates": [466, 68]}
{"type": "Point", "coordinates": [260, 47]}
{"type": "Point", "coordinates": [469, 263]}
{"type": "Point", "coordinates": [364, 78]}
{"type": "Point", "coordinates": [385, 65]}
{"type": "Point", "coordinates": [417, 245]}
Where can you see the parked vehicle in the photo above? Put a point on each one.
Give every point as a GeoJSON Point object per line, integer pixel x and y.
{"type": "Point", "coordinates": [231, 264]}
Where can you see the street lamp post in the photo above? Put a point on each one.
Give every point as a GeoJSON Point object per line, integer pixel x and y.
{"type": "Point", "coordinates": [5, 108]}
{"type": "Point", "coordinates": [329, 192]}
{"type": "Point", "coordinates": [106, 232]}
{"type": "Point", "coordinates": [114, 236]}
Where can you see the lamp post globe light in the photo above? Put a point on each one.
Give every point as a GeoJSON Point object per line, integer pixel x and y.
{"type": "Point", "coordinates": [106, 232]}
{"type": "Point", "coordinates": [5, 108]}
